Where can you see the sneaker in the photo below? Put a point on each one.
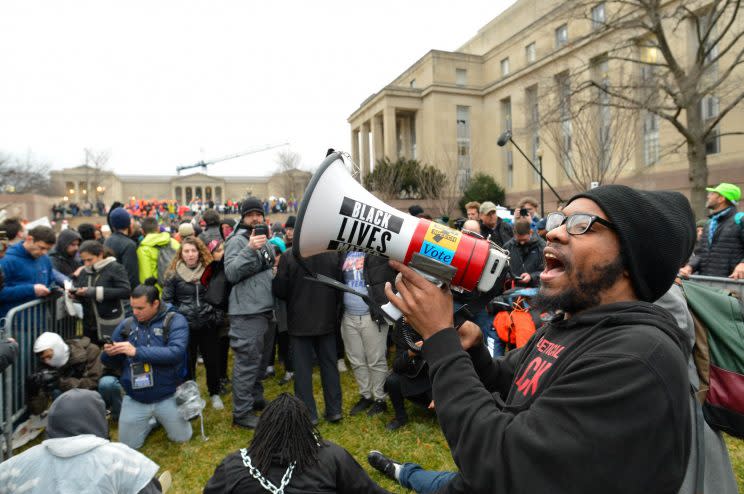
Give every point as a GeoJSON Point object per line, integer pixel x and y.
{"type": "Point", "coordinates": [247, 422]}
{"type": "Point", "coordinates": [361, 405]}
{"type": "Point", "coordinates": [378, 407]}
{"type": "Point", "coordinates": [166, 480]}
{"type": "Point", "coordinates": [341, 364]}
{"type": "Point", "coordinates": [217, 403]}
{"type": "Point", "coordinates": [382, 463]}
{"type": "Point", "coordinates": [335, 418]}
{"type": "Point", "coordinates": [288, 376]}
{"type": "Point", "coordinates": [396, 424]}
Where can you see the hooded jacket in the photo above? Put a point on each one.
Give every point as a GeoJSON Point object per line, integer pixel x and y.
{"type": "Point", "coordinates": [62, 262]}
{"type": "Point", "coordinates": [594, 403]}
{"type": "Point", "coordinates": [166, 358]}
{"type": "Point", "coordinates": [720, 257]}
{"type": "Point", "coordinates": [147, 253]}
{"type": "Point", "coordinates": [108, 288]}
{"type": "Point", "coordinates": [125, 251]}
{"type": "Point", "coordinates": [211, 232]}
{"type": "Point", "coordinates": [82, 368]}
{"type": "Point", "coordinates": [78, 457]}
{"type": "Point", "coordinates": [22, 271]}
{"type": "Point", "coordinates": [527, 258]}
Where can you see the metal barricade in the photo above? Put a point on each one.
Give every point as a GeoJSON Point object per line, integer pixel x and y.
{"type": "Point", "coordinates": [726, 284]}
{"type": "Point", "coordinates": [25, 323]}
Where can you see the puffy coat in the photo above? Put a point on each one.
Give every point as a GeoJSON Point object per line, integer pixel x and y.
{"type": "Point", "coordinates": [167, 358]}
{"type": "Point", "coordinates": [188, 299]}
{"type": "Point", "coordinates": [527, 258]}
{"type": "Point", "coordinates": [108, 288]}
{"type": "Point", "coordinates": [147, 253]}
{"type": "Point", "coordinates": [312, 308]}
{"type": "Point", "coordinates": [125, 250]}
{"type": "Point", "coordinates": [22, 271]}
{"type": "Point", "coordinates": [720, 257]}
{"type": "Point", "coordinates": [250, 273]}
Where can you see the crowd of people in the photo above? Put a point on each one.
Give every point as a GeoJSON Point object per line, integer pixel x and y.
{"type": "Point", "coordinates": [158, 294]}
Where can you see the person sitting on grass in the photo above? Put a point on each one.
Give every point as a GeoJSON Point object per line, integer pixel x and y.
{"type": "Point", "coordinates": [288, 454]}
{"type": "Point", "coordinates": [77, 455]}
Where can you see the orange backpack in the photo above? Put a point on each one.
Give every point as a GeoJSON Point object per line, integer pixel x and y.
{"type": "Point", "coordinates": [514, 328]}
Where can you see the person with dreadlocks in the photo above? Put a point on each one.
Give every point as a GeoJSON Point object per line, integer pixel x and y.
{"type": "Point", "coordinates": [288, 455]}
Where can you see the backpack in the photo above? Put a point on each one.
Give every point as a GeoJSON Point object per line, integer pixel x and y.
{"type": "Point", "coordinates": [718, 355]}
{"type": "Point", "coordinates": [166, 254]}
{"type": "Point", "coordinates": [129, 325]}
{"type": "Point", "coordinates": [515, 327]}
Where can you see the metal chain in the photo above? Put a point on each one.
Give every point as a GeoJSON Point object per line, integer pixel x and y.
{"type": "Point", "coordinates": [266, 483]}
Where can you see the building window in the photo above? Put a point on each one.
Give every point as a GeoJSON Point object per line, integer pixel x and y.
{"type": "Point", "coordinates": [506, 123]}
{"type": "Point", "coordinates": [650, 138]}
{"type": "Point", "coordinates": [179, 194]}
{"type": "Point", "coordinates": [505, 67]}
{"type": "Point", "coordinates": [463, 144]}
{"type": "Point", "coordinates": [530, 53]}
{"type": "Point", "coordinates": [533, 126]}
{"type": "Point", "coordinates": [83, 191]}
{"type": "Point", "coordinates": [601, 69]}
{"type": "Point", "coordinates": [710, 109]}
{"type": "Point", "coordinates": [561, 36]}
{"type": "Point", "coordinates": [198, 193]}
{"type": "Point", "coordinates": [598, 16]}
{"type": "Point", "coordinates": [70, 188]}
{"type": "Point", "coordinates": [461, 77]}
{"type": "Point", "coordinates": [189, 194]}
{"type": "Point", "coordinates": [564, 106]}
{"type": "Point", "coordinates": [412, 83]}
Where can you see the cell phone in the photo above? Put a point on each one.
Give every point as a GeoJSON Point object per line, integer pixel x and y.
{"type": "Point", "coordinates": [261, 230]}
{"type": "Point", "coordinates": [107, 340]}
{"type": "Point", "coordinates": [523, 212]}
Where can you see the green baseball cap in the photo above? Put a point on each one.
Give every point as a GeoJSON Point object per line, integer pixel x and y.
{"type": "Point", "coordinates": [730, 191]}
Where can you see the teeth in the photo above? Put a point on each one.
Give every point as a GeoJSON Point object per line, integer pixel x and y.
{"type": "Point", "coordinates": [548, 255]}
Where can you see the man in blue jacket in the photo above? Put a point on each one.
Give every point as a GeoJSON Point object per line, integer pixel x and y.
{"type": "Point", "coordinates": [150, 350]}
{"type": "Point", "coordinates": [27, 269]}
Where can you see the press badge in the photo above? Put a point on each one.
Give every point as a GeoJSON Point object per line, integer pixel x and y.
{"type": "Point", "coordinates": [141, 375]}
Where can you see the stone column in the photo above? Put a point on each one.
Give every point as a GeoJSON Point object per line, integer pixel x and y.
{"type": "Point", "coordinates": [377, 138]}
{"type": "Point", "coordinates": [405, 131]}
{"type": "Point", "coordinates": [419, 137]}
{"type": "Point", "coordinates": [390, 141]}
{"type": "Point", "coordinates": [355, 145]}
{"type": "Point", "coordinates": [364, 163]}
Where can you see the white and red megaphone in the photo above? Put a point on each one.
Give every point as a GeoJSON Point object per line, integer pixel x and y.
{"type": "Point", "coordinates": [337, 213]}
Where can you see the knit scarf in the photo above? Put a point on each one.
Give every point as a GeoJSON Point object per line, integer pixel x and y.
{"type": "Point", "coordinates": [189, 275]}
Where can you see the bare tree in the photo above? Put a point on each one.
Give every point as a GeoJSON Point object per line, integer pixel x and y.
{"type": "Point", "coordinates": [288, 161]}
{"type": "Point", "coordinates": [685, 57]}
{"type": "Point", "coordinates": [24, 175]}
{"type": "Point", "coordinates": [440, 186]}
{"type": "Point", "coordinates": [96, 162]}
{"type": "Point", "coordinates": [592, 140]}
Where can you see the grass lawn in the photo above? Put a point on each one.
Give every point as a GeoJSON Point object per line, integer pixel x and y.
{"type": "Point", "coordinates": [420, 441]}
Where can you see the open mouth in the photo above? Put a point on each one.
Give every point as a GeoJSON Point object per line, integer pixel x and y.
{"type": "Point", "coordinates": [553, 266]}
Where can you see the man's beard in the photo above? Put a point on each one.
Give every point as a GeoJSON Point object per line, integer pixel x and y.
{"type": "Point", "coordinates": [585, 293]}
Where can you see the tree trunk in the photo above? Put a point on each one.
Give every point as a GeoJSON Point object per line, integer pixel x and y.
{"type": "Point", "coordinates": [697, 162]}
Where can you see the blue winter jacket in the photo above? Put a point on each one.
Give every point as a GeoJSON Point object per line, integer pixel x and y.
{"type": "Point", "coordinates": [167, 360]}
{"type": "Point", "coordinates": [22, 271]}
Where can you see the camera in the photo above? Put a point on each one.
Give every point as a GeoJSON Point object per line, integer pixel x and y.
{"type": "Point", "coordinates": [523, 212]}
{"type": "Point", "coordinates": [107, 340]}
{"type": "Point", "coordinates": [44, 379]}
{"type": "Point", "coordinates": [261, 229]}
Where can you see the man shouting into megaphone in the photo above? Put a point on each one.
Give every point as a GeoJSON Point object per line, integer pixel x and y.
{"type": "Point", "coordinates": [597, 400]}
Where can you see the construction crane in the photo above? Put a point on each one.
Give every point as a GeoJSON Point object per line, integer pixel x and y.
{"type": "Point", "coordinates": [203, 164]}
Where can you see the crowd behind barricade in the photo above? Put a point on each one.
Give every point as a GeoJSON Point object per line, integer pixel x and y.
{"type": "Point", "coordinates": [164, 286]}
{"type": "Point", "coordinates": [169, 209]}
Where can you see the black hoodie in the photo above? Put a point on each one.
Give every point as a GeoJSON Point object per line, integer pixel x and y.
{"type": "Point", "coordinates": [595, 403]}
{"type": "Point", "coordinates": [62, 262]}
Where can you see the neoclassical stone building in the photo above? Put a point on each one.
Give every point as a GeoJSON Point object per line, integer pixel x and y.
{"type": "Point", "coordinates": [81, 183]}
{"type": "Point", "coordinates": [448, 109]}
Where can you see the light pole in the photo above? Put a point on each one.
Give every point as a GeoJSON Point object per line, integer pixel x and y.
{"type": "Point", "coordinates": [542, 198]}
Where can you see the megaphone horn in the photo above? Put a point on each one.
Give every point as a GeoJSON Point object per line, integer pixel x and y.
{"type": "Point", "coordinates": [337, 213]}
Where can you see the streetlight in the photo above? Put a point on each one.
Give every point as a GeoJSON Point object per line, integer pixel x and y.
{"type": "Point", "coordinates": [539, 153]}
{"type": "Point", "coordinates": [505, 137]}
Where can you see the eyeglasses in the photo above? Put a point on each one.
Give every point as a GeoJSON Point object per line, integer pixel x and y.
{"type": "Point", "coordinates": [576, 224]}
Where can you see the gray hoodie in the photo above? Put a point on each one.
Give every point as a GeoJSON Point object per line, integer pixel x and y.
{"type": "Point", "coordinates": [250, 272]}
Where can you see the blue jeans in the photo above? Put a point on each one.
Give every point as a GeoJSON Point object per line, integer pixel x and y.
{"type": "Point", "coordinates": [484, 320]}
{"type": "Point", "coordinates": [134, 421]}
{"type": "Point", "coordinates": [414, 477]}
{"type": "Point", "coordinates": [110, 390]}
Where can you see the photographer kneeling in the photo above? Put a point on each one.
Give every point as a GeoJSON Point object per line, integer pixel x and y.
{"type": "Point", "coordinates": [65, 365]}
{"type": "Point", "coordinates": [150, 350]}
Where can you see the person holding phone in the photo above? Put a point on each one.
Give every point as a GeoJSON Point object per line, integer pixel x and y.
{"type": "Point", "coordinates": [248, 266]}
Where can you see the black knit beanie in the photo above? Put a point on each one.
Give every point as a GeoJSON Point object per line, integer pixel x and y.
{"type": "Point", "coordinates": [656, 230]}
{"type": "Point", "coordinates": [250, 205]}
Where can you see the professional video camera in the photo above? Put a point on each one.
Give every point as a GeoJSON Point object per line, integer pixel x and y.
{"type": "Point", "coordinates": [44, 379]}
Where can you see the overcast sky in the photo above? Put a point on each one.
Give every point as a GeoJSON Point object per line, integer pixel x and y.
{"type": "Point", "coordinates": [167, 83]}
